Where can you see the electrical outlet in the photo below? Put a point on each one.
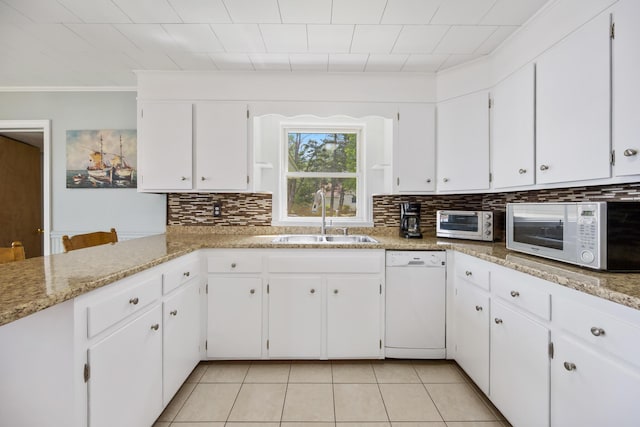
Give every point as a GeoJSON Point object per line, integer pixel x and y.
{"type": "Point", "coordinates": [217, 209]}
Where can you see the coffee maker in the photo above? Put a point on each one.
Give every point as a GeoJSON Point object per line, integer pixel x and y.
{"type": "Point", "coordinates": [410, 220]}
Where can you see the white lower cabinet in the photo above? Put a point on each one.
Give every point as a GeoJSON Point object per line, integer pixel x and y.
{"type": "Point", "coordinates": [125, 386]}
{"type": "Point", "coordinates": [519, 380]}
{"type": "Point", "coordinates": [353, 317]}
{"type": "Point", "coordinates": [295, 317]}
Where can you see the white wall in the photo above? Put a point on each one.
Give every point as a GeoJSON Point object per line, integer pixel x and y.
{"type": "Point", "coordinates": [81, 210]}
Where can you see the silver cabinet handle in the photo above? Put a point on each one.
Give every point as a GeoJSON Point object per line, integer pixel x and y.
{"type": "Point", "coordinates": [335, 291]}
{"type": "Point", "coordinates": [186, 274]}
{"type": "Point", "coordinates": [544, 167]}
{"type": "Point", "coordinates": [134, 301]}
{"type": "Point", "coordinates": [597, 331]}
{"type": "Point", "coordinates": [478, 308]}
{"type": "Point", "coordinates": [252, 291]}
{"type": "Point", "coordinates": [468, 273]}
{"type": "Point", "coordinates": [155, 327]}
{"type": "Point", "coordinates": [522, 171]}
{"type": "Point", "coordinates": [313, 291]}
{"type": "Point", "coordinates": [202, 178]}
{"type": "Point", "coordinates": [569, 366]}
{"type": "Point", "coordinates": [630, 152]}
{"type": "Point", "coordinates": [233, 265]}
{"type": "Point", "coordinates": [184, 178]}
{"type": "Point", "coordinates": [445, 179]}
{"type": "Point", "coordinates": [428, 180]}
{"type": "Point", "coordinates": [173, 312]}
{"type": "Point", "coordinates": [515, 294]}
{"type": "Point", "coordinates": [497, 320]}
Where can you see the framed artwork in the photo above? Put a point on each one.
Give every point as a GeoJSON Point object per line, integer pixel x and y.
{"type": "Point", "coordinates": [104, 158]}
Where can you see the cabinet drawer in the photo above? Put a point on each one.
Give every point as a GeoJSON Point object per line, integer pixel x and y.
{"type": "Point", "coordinates": [179, 274]}
{"type": "Point", "coordinates": [604, 331]}
{"type": "Point", "coordinates": [132, 297]}
{"type": "Point", "coordinates": [523, 291]}
{"type": "Point", "coordinates": [472, 270]}
{"type": "Point", "coordinates": [327, 263]}
{"type": "Point", "coordinates": [235, 263]}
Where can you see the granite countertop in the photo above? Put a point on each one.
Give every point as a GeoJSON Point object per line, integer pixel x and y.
{"type": "Point", "coordinates": [37, 283]}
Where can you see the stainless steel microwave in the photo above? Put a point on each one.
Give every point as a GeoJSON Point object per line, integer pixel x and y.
{"type": "Point", "coordinates": [472, 225]}
{"type": "Point", "coordinates": [598, 235]}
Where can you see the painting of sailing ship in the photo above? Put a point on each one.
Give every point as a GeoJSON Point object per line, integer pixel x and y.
{"type": "Point", "coordinates": [101, 158]}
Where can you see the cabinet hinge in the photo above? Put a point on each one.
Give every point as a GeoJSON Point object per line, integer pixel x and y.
{"type": "Point", "coordinates": [398, 181]}
{"type": "Point", "coordinates": [267, 344]}
{"type": "Point", "coordinates": [613, 157]}
{"type": "Point", "coordinates": [490, 177]}
{"type": "Point", "coordinates": [142, 113]}
{"type": "Point", "coordinates": [398, 116]}
{"type": "Point", "coordinates": [247, 113]}
{"type": "Point", "coordinates": [380, 344]}
{"type": "Point", "coordinates": [551, 350]}
{"type": "Point", "coordinates": [490, 103]}
{"type": "Point", "coordinates": [612, 31]}
{"type": "Point", "coordinates": [206, 289]}
{"type": "Point", "coordinates": [86, 372]}
{"type": "Point", "coordinates": [267, 288]}
{"type": "Point", "coordinates": [247, 179]}
{"type": "Point", "coordinates": [206, 345]}
{"type": "Point", "coordinates": [380, 288]}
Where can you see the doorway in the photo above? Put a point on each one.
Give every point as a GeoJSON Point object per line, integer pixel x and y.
{"type": "Point", "coordinates": [25, 185]}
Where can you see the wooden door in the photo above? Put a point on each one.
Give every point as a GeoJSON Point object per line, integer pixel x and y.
{"type": "Point", "coordinates": [20, 195]}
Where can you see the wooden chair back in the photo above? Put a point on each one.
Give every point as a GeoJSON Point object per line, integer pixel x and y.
{"type": "Point", "coordinates": [14, 253]}
{"type": "Point", "coordinates": [89, 239]}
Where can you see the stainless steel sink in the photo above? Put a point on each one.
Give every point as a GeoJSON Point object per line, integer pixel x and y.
{"type": "Point", "coordinates": [319, 238]}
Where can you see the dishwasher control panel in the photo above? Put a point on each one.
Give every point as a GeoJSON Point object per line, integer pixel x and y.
{"type": "Point", "coordinates": [416, 258]}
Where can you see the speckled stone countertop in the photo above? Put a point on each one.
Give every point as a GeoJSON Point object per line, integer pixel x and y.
{"type": "Point", "coordinates": [37, 283]}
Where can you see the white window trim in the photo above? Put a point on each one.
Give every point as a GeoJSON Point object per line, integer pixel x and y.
{"type": "Point", "coordinates": [280, 216]}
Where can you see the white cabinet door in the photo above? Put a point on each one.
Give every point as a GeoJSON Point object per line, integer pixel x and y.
{"type": "Point", "coordinates": [221, 146]}
{"type": "Point", "coordinates": [181, 346]}
{"type": "Point", "coordinates": [591, 390]}
{"type": "Point", "coordinates": [354, 319]}
{"type": "Point", "coordinates": [125, 387]}
{"type": "Point", "coordinates": [626, 88]}
{"type": "Point", "coordinates": [416, 149]}
{"type": "Point", "coordinates": [572, 107]}
{"type": "Point", "coordinates": [295, 316]}
{"type": "Point", "coordinates": [512, 130]}
{"type": "Point", "coordinates": [463, 143]}
{"type": "Point", "coordinates": [235, 317]}
{"type": "Point", "coordinates": [519, 367]}
{"type": "Point", "coordinates": [164, 146]}
{"type": "Point", "coordinates": [472, 333]}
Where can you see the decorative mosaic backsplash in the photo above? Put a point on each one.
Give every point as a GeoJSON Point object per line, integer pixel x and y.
{"type": "Point", "coordinates": [254, 209]}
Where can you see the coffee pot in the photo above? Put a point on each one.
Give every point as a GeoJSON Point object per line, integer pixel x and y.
{"type": "Point", "coordinates": [410, 220]}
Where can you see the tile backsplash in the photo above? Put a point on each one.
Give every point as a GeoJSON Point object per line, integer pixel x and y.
{"type": "Point", "coordinates": [254, 209]}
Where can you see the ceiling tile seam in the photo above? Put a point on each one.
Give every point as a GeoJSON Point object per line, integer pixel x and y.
{"type": "Point", "coordinates": [228, 13]}
{"type": "Point", "coordinates": [164, 52]}
{"type": "Point", "coordinates": [485, 40]}
{"type": "Point", "coordinates": [488, 10]}
{"type": "Point", "coordinates": [215, 64]}
{"type": "Point", "coordinates": [252, 64]}
{"type": "Point", "coordinates": [224, 48]}
{"type": "Point", "coordinates": [68, 10]}
{"type": "Point", "coordinates": [130, 41]}
{"type": "Point", "coordinates": [435, 12]}
{"type": "Point", "coordinates": [120, 9]}
{"type": "Point", "coordinates": [175, 11]}
{"type": "Point", "coordinates": [264, 44]}
{"type": "Point", "coordinates": [435, 47]}
{"type": "Point", "coordinates": [306, 29]}
{"type": "Point", "coordinates": [384, 9]}
{"type": "Point", "coordinates": [353, 34]}
{"type": "Point", "coordinates": [279, 11]}
{"type": "Point", "coordinates": [443, 62]}
{"type": "Point", "coordinates": [404, 64]}
{"type": "Point", "coordinates": [330, 22]}
{"type": "Point", "coordinates": [80, 37]}
{"type": "Point", "coordinates": [393, 46]}
{"type": "Point", "coordinates": [18, 12]}
{"type": "Point", "coordinates": [364, 68]}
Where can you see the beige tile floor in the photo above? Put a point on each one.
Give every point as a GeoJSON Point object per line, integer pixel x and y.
{"type": "Point", "coordinates": [330, 394]}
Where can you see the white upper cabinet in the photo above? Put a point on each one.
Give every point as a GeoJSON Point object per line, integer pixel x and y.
{"type": "Point", "coordinates": [415, 150]}
{"type": "Point", "coordinates": [164, 146]}
{"type": "Point", "coordinates": [572, 106]}
{"type": "Point", "coordinates": [512, 130]}
{"type": "Point", "coordinates": [463, 143]}
{"type": "Point", "coordinates": [626, 88]}
{"type": "Point", "coordinates": [221, 146]}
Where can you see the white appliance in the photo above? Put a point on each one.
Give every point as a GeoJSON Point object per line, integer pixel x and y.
{"type": "Point", "coordinates": [415, 304]}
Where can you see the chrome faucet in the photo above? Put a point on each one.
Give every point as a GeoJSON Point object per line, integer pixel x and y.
{"type": "Point", "coordinates": [320, 195]}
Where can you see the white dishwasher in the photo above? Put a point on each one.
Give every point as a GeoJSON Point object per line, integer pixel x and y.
{"type": "Point", "coordinates": [415, 304]}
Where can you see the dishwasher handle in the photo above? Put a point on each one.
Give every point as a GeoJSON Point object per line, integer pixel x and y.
{"type": "Point", "coordinates": [421, 262]}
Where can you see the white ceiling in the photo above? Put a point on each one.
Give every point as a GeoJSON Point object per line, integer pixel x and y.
{"type": "Point", "coordinates": [100, 42]}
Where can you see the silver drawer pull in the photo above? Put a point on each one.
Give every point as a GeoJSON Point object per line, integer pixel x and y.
{"type": "Point", "coordinates": [155, 327]}
{"type": "Point", "coordinates": [202, 178]}
{"type": "Point", "coordinates": [184, 178]}
{"type": "Point", "coordinates": [569, 366]}
{"type": "Point", "coordinates": [173, 312]}
{"type": "Point", "coordinates": [630, 152]}
{"type": "Point", "coordinates": [252, 291]}
{"type": "Point", "coordinates": [497, 320]}
{"type": "Point", "coordinates": [134, 301]}
{"type": "Point", "coordinates": [544, 167]}
{"type": "Point", "coordinates": [428, 180]}
{"type": "Point", "coordinates": [468, 273]}
{"type": "Point", "coordinates": [515, 294]}
{"type": "Point", "coordinates": [597, 331]}
{"type": "Point", "coordinates": [522, 171]}
{"type": "Point", "coordinates": [233, 265]}
{"type": "Point", "coordinates": [313, 291]}
{"type": "Point", "coordinates": [335, 291]}
{"type": "Point", "coordinates": [186, 274]}
{"type": "Point", "coordinates": [478, 308]}
{"type": "Point", "coordinates": [445, 179]}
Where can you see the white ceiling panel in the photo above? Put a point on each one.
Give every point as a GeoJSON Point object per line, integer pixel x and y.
{"type": "Point", "coordinates": [148, 11]}
{"type": "Point", "coordinates": [116, 78]}
{"type": "Point", "coordinates": [454, 60]}
{"type": "Point", "coordinates": [155, 61]}
{"type": "Point", "coordinates": [419, 38]}
{"type": "Point", "coordinates": [253, 11]}
{"type": "Point", "coordinates": [104, 37]}
{"type": "Point", "coordinates": [347, 62]}
{"type": "Point", "coordinates": [43, 11]}
{"type": "Point", "coordinates": [58, 37]}
{"type": "Point", "coordinates": [270, 62]}
{"type": "Point", "coordinates": [424, 63]}
{"type": "Point", "coordinates": [194, 37]}
{"type": "Point", "coordinates": [193, 61]}
{"type": "Point", "coordinates": [201, 11]}
{"type": "Point", "coordinates": [462, 12]}
{"type": "Point", "coordinates": [462, 40]}
{"type": "Point", "coordinates": [357, 11]}
{"type": "Point", "coordinates": [330, 38]}
{"type": "Point", "coordinates": [511, 12]}
{"type": "Point", "coordinates": [232, 61]}
{"type": "Point", "coordinates": [309, 62]}
{"type": "Point", "coordinates": [94, 61]}
{"type": "Point", "coordinates": [410, 11]}
{"type": "Point", "coordinates": [495, 39]}
{"type": "Point", "coordinates": [284, 38]}
{"type": "Point", "coordinates": [374, 38]}
{"type": "Point", "coordinates": [96, 11]}
{"type": "Point", "coordinates": [305, 12]}
{"type": "Point", "coordinates": [9, 15]}
{"type": "Point", "coordinates": [239, 38]}
{"type": "Point", "coordinates": [148, 37]}
{"type": "Point", "coordinates": [20, 39]}
{"type": "Point", "coordinates": [386, 63]}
